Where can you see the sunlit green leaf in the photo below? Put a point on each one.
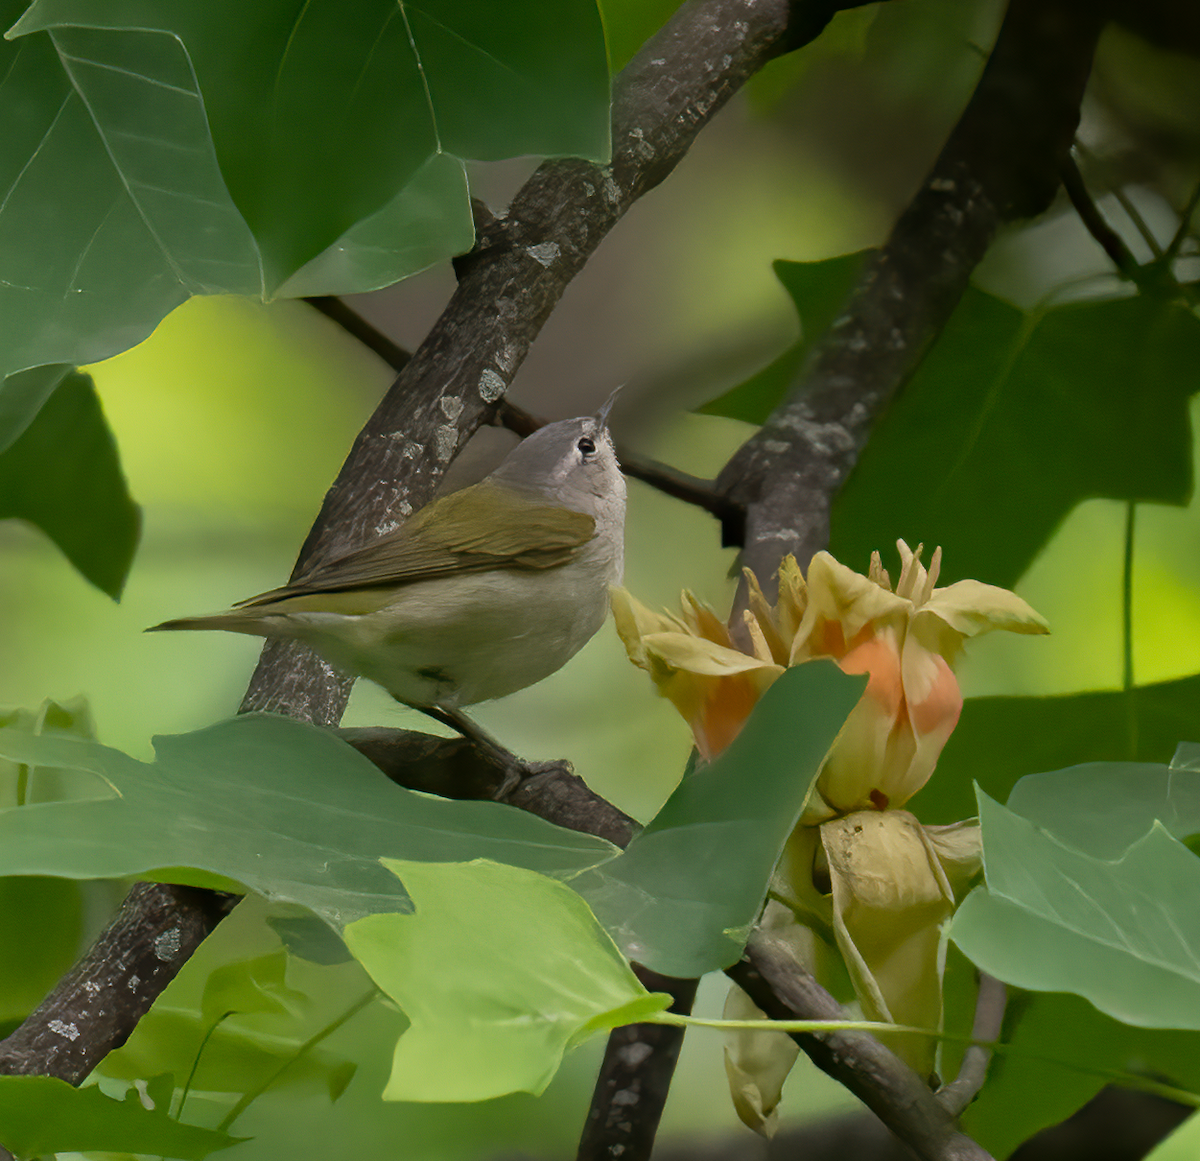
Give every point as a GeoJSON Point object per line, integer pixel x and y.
{"type": "Point", "coordinates": [1182, 1145]}
{"type": "Point", "coordinates": [250, 985]}
{"type": "Point", "coordinates": [682, 896]}
{"type": "Point", "coordinates": [281, 807]}
{"type": "Point", "coordinates": [500, 971]}
{"type": "Point", "coordinates": [959, 460]}
{"type": "Point", "coordinates": [1122, 933]}
{"type": "Point", "coordinates": [40, 1114]}
{"type": "Point", "coordinates": [63, 475]}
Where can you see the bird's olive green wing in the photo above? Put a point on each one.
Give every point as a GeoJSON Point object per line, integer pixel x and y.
{"type": "Point", "coordinates": [480, 528]}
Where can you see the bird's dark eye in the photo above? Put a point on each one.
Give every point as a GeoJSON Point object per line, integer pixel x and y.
{"type": "Point", "coordinates": [587, 445]}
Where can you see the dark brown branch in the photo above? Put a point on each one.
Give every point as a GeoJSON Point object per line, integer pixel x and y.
{"type": "Point", "coordinates": [771, 977]}
{"type": "Point", "coordinates": [98, 1003]}
{"type": "Point", "coordinates": [1097, 225]}
{"type": "Point", "coordinates": [353, 323]}
{"type": "Point", "coordinates": [989, 1017]}
{"type": "Point", "coordinates": [635, 1078]}
{"type": "Point", "coordinates": [1001, 164]}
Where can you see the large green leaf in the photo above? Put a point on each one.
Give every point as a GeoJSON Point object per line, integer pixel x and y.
{"type": "Point", "coordinates": [154, 149]}
{"type": "Point", "coordinates": [1123, 933]}
{"type": "Point", "coordinates": [62, 475]}
{"type": "Point", "coordinates": [41, 1114]}
{"type": "Point", "coordinates": [22, 396]}
{"type": "Point", "coordinates": [1059, 1053]}
{"type": "Point", "coordinates": [1013, 419]}
{"type": "Point", "coordinates": [1143, 725]}
{"type": "Point", "coordinates": [500, 970]}
{"type": "Point", "coordinates": [682, 896]}
{"type": "Point", "coordinates": [280, 807]}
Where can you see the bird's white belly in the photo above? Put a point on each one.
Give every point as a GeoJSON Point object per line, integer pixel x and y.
{"type": "Point", "coordinates": [457, 641]}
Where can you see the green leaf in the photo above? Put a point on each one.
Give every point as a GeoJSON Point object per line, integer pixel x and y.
{"type": "Point", "coordinates": [957, 461]}
{"type": "Point", "coordinates": [819, 290]}
{"type": "Point", "coordinates": [62, 474]}
{"type": "Point", "coordinates": [250, 985]}
{"type": "Point", "coordinates": [155, 149]}
{"type": "Point", "coordinates": [44, 917]}
{"type": "Point", "coordinates": [1102, 808]}
{"type": "Point", "coordinates": [280, 807]}
{"type": "Point", "coordinates": [500, 971]}
{"type": "Point", "coordinates": [683, 895]}
{"type": "Point", "coordinates": [628, 24]}
{"type": "Point", "coordinates": [1123, 934]}
{"type": "Point", "coordinates": [41, 1114]}
{"type": "Point", "coordinates": [1181, 1145]}
{"type": "Point", "coordinates": [1143, 725]}
{"type": "Point", "coordinates": [1059, 1053]}
{"type": "Point", "coordinates": [22, 396]}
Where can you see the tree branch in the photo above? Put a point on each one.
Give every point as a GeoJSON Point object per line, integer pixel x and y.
{"type": "Point", "coordinates": [1000, 164]}
{"type": "Point", "coordinates": [1089, 213]}
{"type": "Point", "coordinates": [508, 286]}
{"type": "Point", "coordinates": [989, 1017]}
{"type": "Point", "coordinates": [770, 975]}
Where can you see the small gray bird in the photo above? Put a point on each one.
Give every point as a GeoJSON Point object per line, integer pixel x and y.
{"type": "Point", "coordinates": [480, 593]}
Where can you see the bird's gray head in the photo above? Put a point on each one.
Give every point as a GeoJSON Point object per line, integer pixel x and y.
{"type": "Point", "coordinates": [571, 462]}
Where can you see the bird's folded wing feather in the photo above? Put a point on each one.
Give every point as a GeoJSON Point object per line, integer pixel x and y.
{"type": "Point", "coordinates": [473, 530]}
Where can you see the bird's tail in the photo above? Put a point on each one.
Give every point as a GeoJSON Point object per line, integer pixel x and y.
{"type": "Point", "coordinates": [233, 621]}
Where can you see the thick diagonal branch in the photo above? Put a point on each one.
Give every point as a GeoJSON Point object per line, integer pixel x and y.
{"type": "Point", "coordinates": [508, 286]}
{"type": "Point", "coordinates": [1001, 164]}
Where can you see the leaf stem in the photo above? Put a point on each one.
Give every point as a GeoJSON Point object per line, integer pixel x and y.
{"type": "Point", "coordinates": [248, 1098]}
{"type": "Point", "coordinates": [1127, 1079]}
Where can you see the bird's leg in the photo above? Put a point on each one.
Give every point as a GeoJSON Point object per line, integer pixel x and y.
{"type": "Point", "coordinates": [514, 769]}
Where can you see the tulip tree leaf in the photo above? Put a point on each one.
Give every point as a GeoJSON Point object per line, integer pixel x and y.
{"type": "Point", "coordinates": [155, 149]}
{"type": "Point", "coordinates": [500, 970]}
{"type": "Point", "coordinates": [22, 396]}
{"type": "Point", "coordinates": [1123, 933]}
{"type": "Point", "coordinates": [682, 896]}
{"type": "Point", "coordinates": [281, 807]}
{"type": "Point", "coordinates": [1059, 1053]}
{"type": "Point", "coordinates": [1109, 384]}
{"type": "Point", "coordinates": [41, 1114]}
{"type": "Point", "coordinates": [819, 291]}
{"type": "Point", "coordinates": [62, 474]}
{"type": "Point", "coordinates": [1181, 1145]}
{"type": "Point", "coordinates": [1143, 725]}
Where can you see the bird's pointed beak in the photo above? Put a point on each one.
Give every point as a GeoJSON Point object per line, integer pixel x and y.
{"type": "Point", "coordinates": [606, 407]}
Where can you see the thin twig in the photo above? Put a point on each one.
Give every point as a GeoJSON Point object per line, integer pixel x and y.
{"type": "Point", "coordinates": [1185, 225]}
{"type": "Point", "coordinates": [1097, 225]}
{"type": "Point", "coordinates": [1000, 164]}
{"type": "Point", "coordinates": [353, 323]}
{"type": "Point", "coordinates": [972, 1072]}
{"type": "Point", "coordinates": [771, 976]}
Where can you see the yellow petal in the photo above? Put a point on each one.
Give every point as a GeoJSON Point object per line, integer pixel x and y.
{"type": "Point", "coordinates": [793, 600]}
{"type": "Point", "coordinates": [703, 622]}
{"type": "Point", "coordinates": [634, 621]}
{"type": "Point", "coordinates": [696, 655]}
{"type": "Point", "coordinates": [970, 607]}
{"type": "Point", "coordinates": [890, 897]}
{"type": "Point", "coordinates": [763, 617]}
{"type": "Point", "coordinates": [840, 598]}
{"type": "Point", "coordinates": [756, 1065]}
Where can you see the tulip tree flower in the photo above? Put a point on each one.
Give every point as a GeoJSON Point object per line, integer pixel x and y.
{"type": "Point", "coordinates": [859, 871]}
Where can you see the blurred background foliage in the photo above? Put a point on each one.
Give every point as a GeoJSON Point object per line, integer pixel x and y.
{"type": "Point", "coordinates": [234, 416]}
